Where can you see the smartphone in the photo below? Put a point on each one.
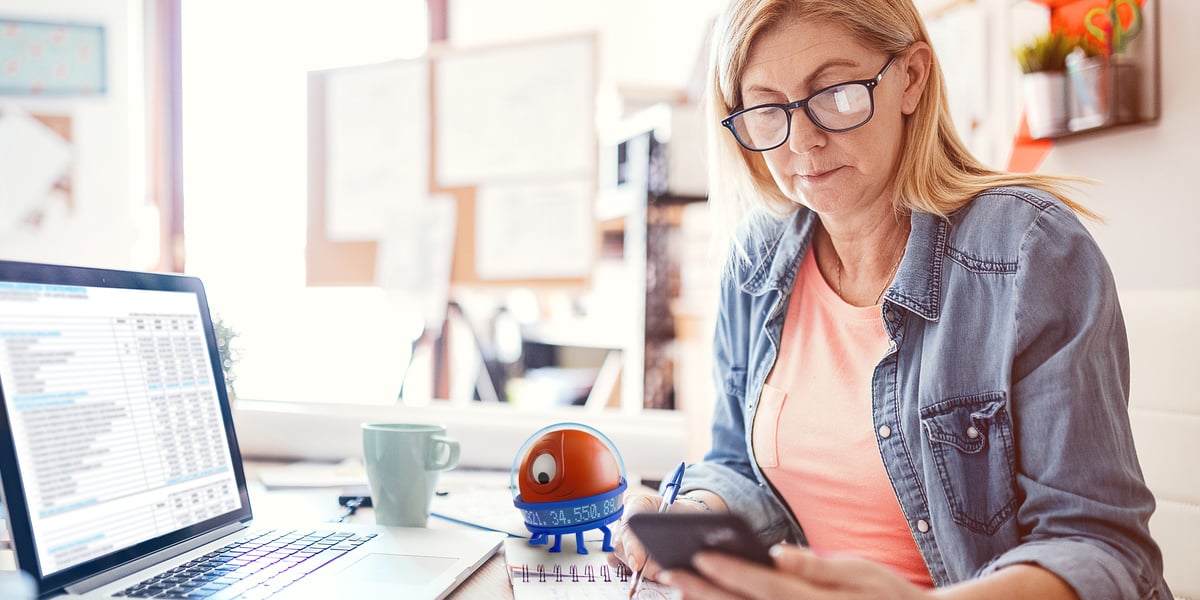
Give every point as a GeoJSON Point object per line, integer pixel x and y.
{"type": "Point", "coordinates": [672, 539]}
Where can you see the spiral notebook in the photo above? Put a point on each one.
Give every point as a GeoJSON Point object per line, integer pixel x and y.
{"type": "Point", "coordinates": [538, 574]}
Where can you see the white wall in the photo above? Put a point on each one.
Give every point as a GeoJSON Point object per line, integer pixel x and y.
{"type": "Point", "coordinates": [1146, 194]}
{"type": "Point", "coordinates": [644, 46]}
{"type": "Point", "coordinates": [108, 143]}
{"type": "Point", "coordinates": [1147, 191]}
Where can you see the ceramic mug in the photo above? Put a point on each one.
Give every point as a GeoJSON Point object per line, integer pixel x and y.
{"type": "Point", "coordinates": [17, 585]}
{"type": "Point", "coordinates": [402, 461]}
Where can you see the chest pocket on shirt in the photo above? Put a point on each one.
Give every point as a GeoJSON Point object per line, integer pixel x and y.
{"type": "Point", "coordinates": [971, 440]}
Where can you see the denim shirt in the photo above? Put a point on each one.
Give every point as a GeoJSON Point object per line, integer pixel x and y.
{"type": "Point", "coordinates": [1000, 408]}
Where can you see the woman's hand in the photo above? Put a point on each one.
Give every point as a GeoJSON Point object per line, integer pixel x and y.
{"type": "Point", "coordinates": [798, 573]}
{"type": "Point", "coordinates": [627, 549]}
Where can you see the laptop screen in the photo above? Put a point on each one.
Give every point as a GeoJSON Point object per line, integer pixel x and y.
{"type": "Point", "coordinates": [120, 431]}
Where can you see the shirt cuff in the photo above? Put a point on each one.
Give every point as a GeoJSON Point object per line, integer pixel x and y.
{"type": "Point", "coordinates": [753, 502]}
{"type": "Point", "coordinates": [1093, 573]}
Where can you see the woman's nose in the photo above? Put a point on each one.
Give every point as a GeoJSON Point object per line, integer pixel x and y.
{"type": "Point", "coordinates": [804, 135]}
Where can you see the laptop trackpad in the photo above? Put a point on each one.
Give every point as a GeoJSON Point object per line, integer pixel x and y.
{"type": "Point", "coordinates": [397, 568]}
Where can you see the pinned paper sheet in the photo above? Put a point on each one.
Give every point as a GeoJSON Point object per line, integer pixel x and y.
{"type": "Point", "coordinates": [349, 472]}
{"type": "Point", "coordinates": [32, 159]}
{"type": "Point", "coordinates": [377, 146]}
{"type": "Point", "coordinates": [533, 231]}
{"type": "Point", "coordinates": [414, 253]}
{"type": "Point", "coordinates": [518, 111]}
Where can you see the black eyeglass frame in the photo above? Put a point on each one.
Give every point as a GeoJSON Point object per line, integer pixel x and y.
{"type": "Point", "coordinates": [870, 84]}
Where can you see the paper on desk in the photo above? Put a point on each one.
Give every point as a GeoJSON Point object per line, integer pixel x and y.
{"type": "Point", "coordinates": [479, 498]}
{"type": "Point", "coordinates": [314, 475]}
{"type": "Point", "coordinates": [482, 498]}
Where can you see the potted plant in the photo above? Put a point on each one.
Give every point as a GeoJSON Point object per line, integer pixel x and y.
{"type": "Point", "coordinates": [1089, 87]}
{"type": "Point", "coordinates": [1101, 70]}
{"type": "Point", "coordinates": [228, 353]}
{"type": "Point", "coordinates": [1043, 62]}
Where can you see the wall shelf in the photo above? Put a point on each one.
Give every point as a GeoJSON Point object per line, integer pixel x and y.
{"type": "Point", "coordinates": [1102, 93]}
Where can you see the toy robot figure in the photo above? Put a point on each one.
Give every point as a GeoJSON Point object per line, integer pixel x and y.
{"type": "Point", "coordinates": [571, 480]}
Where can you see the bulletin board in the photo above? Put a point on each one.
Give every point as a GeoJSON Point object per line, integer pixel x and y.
{"type": "Point", "coordinates": [494, 130]}
{"type": "Point", "coordinates": [42, 58]}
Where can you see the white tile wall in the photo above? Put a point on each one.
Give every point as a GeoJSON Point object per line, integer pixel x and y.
{"type": "Point", "coordinates": [1164, 408]}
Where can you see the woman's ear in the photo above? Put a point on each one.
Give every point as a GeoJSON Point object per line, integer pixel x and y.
{"type": "Point", "coordinates": [917, 66]}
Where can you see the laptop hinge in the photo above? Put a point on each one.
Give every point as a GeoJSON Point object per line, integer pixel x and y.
{"type": "Point", "coordinates": [84, 586]}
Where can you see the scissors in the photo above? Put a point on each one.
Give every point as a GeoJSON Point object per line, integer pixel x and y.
{"type": "Point", "coordinates": [1112, 34]}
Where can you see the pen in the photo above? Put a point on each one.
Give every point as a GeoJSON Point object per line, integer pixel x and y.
{"type": "Point", "coordinates": [670, 490]}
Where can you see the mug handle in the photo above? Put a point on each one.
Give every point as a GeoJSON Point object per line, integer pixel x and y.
{"type": "Point", "coordinates": [444, 453]}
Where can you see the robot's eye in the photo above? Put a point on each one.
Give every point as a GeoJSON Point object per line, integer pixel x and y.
{"type": "Point", "coordinates": [543, 469]}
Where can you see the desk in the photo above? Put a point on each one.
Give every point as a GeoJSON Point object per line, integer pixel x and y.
{"type": "Point", "coordinates": [489, 582]}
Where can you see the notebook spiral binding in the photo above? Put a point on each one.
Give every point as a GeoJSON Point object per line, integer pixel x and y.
{"type": "Point", "coordinates": [539, 574]}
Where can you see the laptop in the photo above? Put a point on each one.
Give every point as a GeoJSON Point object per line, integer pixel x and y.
{"type": "Point", "coordinates": [121, 471]}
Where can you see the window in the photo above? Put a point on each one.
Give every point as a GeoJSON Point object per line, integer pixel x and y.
{"type": "Point", "coordinates": [245, 68]}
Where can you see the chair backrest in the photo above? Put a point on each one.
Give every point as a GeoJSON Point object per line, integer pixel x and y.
{"type": "Point", "coordinates": [1164, 408]}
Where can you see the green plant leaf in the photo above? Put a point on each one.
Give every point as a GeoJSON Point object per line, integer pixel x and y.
{"type": "Point", "coordinates": [1047, 52]}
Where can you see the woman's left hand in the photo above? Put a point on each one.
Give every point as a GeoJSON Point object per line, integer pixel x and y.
{"type": "Point", "coordinates": [798, 573]}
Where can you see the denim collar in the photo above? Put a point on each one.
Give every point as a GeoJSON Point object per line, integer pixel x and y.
{"type": "Point", "coordinates": [918, 282]}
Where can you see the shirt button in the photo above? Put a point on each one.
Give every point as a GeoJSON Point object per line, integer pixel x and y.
{"type": "Point", "coordinates": [923, 526]}
{"type": "Point", "coordinates": [972, 432]}
{"type": "Point", "coordinates": [885, 431]}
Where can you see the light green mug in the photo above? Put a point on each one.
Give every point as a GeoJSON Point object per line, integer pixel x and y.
{"type": "Point", "coordinates": [402, 462]}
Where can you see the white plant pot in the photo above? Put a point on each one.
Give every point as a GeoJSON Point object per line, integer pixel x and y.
{"type": "Point", "coordinates": [1090, 93]}
{"type": "Point", "coordinates": [1046, 107]}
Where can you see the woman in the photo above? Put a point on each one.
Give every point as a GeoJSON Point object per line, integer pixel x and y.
{"type": "Point", "coordinates": [922, 364]}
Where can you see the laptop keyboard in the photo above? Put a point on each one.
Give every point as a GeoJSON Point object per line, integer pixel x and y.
{"type": "Point", "coordinates": [258, 566]}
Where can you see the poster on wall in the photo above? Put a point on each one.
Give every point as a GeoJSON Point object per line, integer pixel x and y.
{"type": "Point", "coordinates": [41, 58]}
{"type": "Point", "coordinates": [34, 168]}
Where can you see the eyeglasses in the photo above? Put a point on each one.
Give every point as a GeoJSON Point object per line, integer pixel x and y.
{"type": "Point", "coordinates": [837, 108]}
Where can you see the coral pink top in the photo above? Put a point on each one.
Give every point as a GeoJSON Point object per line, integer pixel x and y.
{"type": "Point", "coordinates": [813, 435]}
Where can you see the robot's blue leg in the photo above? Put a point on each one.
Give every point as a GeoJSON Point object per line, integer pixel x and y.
{"type": "Point", "coordinates": [579, 547]}
{"type": "Point", "coordinates": [538, 539]}
{"type": "Point", "coordinates": [607, 545]}
{"type": "Point", "coordinates": [557, 543]}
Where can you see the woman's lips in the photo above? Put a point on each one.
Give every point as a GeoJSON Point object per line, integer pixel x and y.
{"type": "Point", "coordinates": [817, 177]}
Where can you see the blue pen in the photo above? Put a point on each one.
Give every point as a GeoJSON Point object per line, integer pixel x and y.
{"type": "Point", "coordinates": [669, 491]}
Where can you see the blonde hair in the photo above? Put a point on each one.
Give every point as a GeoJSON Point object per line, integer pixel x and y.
{"type": "Point", "coordinates": [936, 173]}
